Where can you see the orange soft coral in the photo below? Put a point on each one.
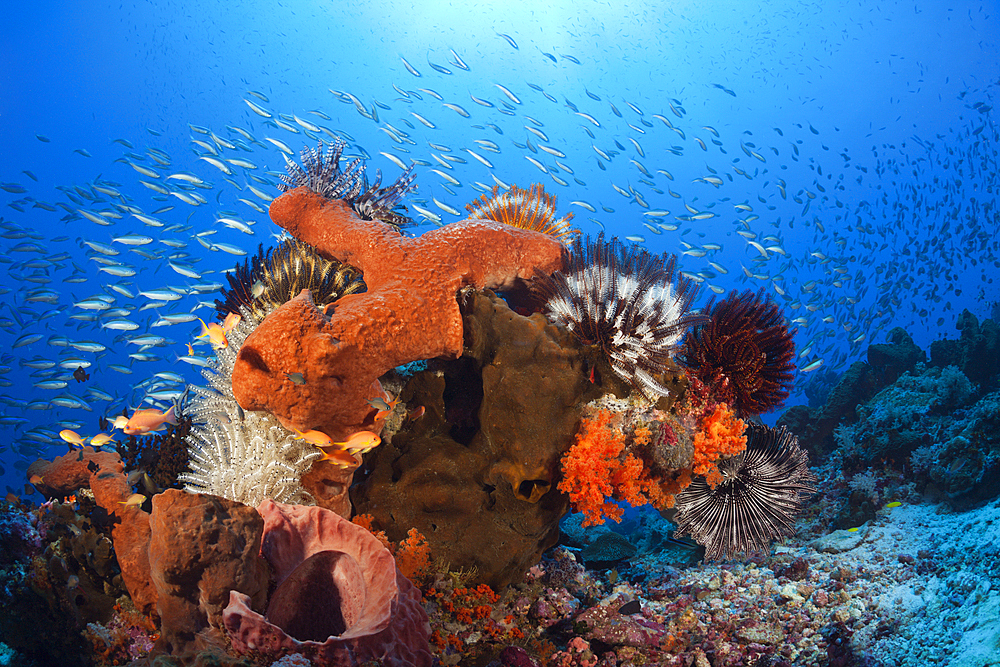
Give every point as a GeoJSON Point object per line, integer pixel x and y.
{"type": "Point", "coordinates": [587, 469]}
{"type": "Point", "coordinates": [598, 467]}
{"type": "Point", "coordinates": [413, 556]}
{"type": "Point", "coordinates": [720, 434]}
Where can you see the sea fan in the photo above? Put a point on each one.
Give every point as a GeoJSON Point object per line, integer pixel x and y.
{"type": "Point", "coordinates": [321, 173]}
{"type": "Point", "coordinates": [760, 494]}
{"type": "Point", "coordinates": [627, 301]}
{"type": "Point", "coordinates": [532, 209]}
{"type": "Point", "coordinates": [745, 352]}
{"type": "Point", "coordinates": [272, 278]}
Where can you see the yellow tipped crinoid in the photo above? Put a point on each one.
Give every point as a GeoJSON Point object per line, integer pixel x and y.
{"type": "Point", "coordinates": [532, 209]}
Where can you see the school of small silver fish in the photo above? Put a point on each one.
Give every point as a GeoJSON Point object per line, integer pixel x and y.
{"type": "Point", "coordinates": [787, 208]}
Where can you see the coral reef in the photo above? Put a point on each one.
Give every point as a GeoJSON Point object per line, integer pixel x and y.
{"type": "Point", "coordinates": [642, 455]}
{"type": "Point", "coordinates": [625, 302]}
{"type": "Point", "coordinates": [532, 209]}
{"type": "Point", "coordinates": [201, 547]}
{"type": "Point", "coordinates": [476, 474]}
{"type": "Point", "coordinates": [744, 353]}
{"type": "Point", "coordinates": [103, 474]}
{"type": "Point", "coordinates": [339, 599]}
{"type": "Point", "coordinates": [598, 467]}
{"type": "Point", "coordinates": [126, 637]}
{"type": "Point", "coordinates": [976, 352]}
{"type": "Point", "coordinates": [892, 359]}
{"type": "Point", "coordinates": [409, 312]}
{"type": "Point", "coordinates": [162, 456]}
{"type": "Point", "coordinates": [248, 455]}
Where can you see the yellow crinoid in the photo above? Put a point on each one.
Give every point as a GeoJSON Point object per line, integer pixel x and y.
{"type": "Point", "coordinates": [532, 209]}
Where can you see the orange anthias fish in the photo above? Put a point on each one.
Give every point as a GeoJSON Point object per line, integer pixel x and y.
{"type": "Point", "coordinates": [360, 442]}
{"type": "Point", "coordinates": [150, 419]}
{"type": "Point", "coordinates": [214, 332]}
{"type": "Point", "coordinates": [228, 324]}
{"type": "Point", "coordinates": [317, 438]}
{"type": "Point", "coordinates": [72, 437]}
{"type": "Point", "coordinates": [134, 500]}
{"type": "Point", "coordinates": [340, 458]}
{"type": "Point", "coordinates": [342, 453]}
{"type": "Point", "coordinates": [101, 439]}
{"type": "Point", "coordinates": [384, 408]}
{"type": "Point", "coordinates": [119, 422]}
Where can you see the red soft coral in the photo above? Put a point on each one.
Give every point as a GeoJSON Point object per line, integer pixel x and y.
{"type": "Point", "coordinates": [598, 467]}
{"type": "Point", "coordinates": [588, 467]}
{"type": "Point", "coordinates": [720, 434]}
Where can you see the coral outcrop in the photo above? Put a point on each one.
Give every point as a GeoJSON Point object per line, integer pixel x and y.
{"type": "Point", "coordinates": [102, 473]}
{"type": "Point", "coordinates": [178, 562]}
{"type": "Point", "coordinates": [409, 312]}
{"type": "Point", "coordinates": [201, 547]}
{"type": "Point", "coordinates": [976, 352]}
{"type": "Point", "coordinates": [476, 474]}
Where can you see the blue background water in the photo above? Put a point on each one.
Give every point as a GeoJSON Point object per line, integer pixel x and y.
{"type": "Point", "coordinates": [887, 104]}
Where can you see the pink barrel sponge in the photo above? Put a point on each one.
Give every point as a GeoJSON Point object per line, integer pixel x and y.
{"type": "Point", "coordinates": [339, 599]}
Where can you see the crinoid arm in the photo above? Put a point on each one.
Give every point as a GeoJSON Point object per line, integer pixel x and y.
{"type": "Point", "coordinates": [627, 301]}
{"type": "Point", "coordinates": [532, 209]}
{"type": "Point", "coordinates": [321, 172]}
{"type": "Point", "coordinates": [760, 494]}
{"type": "Point", "coordinates": [275, 276]}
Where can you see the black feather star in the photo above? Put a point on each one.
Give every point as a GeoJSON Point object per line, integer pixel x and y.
{"type": "Point", "coordinates": [627, 301]}
{"type": "Point", "coordinates": [272, 277]}
{"type": "Point", "coordinates": [321, 173]}
{"type": "Point", "coordinates": [760, 494]}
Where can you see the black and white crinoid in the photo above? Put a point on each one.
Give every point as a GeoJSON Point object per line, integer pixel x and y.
{"type": "Point", "coordinates": [628, 302]}
{"type": "Point", "coordinates": [320, 172]}
{"type": "Point", "coordinates": [272, 277]}
{"type": "Point", "coordinates": [760, 494]}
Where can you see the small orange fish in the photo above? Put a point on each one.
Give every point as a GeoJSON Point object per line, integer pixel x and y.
{"type": "Point", "coordinates": [417, 414]}
{"type": "Point", "coordinates": [35, 480]}
{"type": "Point", "coordinates": [150, 419]}
{"type": "Point", "coordinates": [190, 349]}
{"type": "Point", "coordinates": [72, 437]}
{"type": "Point", "coordinates": [317, 438]}
{"type": "Point", "coordinates": [340, 458]}
{"type": "Point", "coordinates": [214, 332]}
{"type": "Point", "coordinates": [134, 500]}
{"type": "Point", "coordinates": [360, 442]}
{"type": "Point", "coordinates": [101, 439]}
{"type": "Point", "coordinates": [232, 319]}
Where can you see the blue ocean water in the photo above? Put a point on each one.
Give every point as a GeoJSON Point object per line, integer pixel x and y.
{"type": "Point", "coordinates": [840, 156]}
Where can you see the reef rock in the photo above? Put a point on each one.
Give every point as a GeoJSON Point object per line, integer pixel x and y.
{"type": "Point", "coordinates": [201, 548]}
{"type": "Point", "coordinates": [892, 359]}
{"type": "Point", "coordinates": [339, 599]}
{"type": "Point", "coordinates": [103, 473]}
{"type": "Point", "coordinates": [976, 352]}
{"type": "Point", "coordinates": [814, 426]}
{"type": "Point", "coordinates": [476, 475]}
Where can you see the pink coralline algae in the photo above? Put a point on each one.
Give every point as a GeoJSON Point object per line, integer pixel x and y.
{"type": "Point", "coordinates": [606, 624]}
{"type": "Point", "coordinates": [339, 599]}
